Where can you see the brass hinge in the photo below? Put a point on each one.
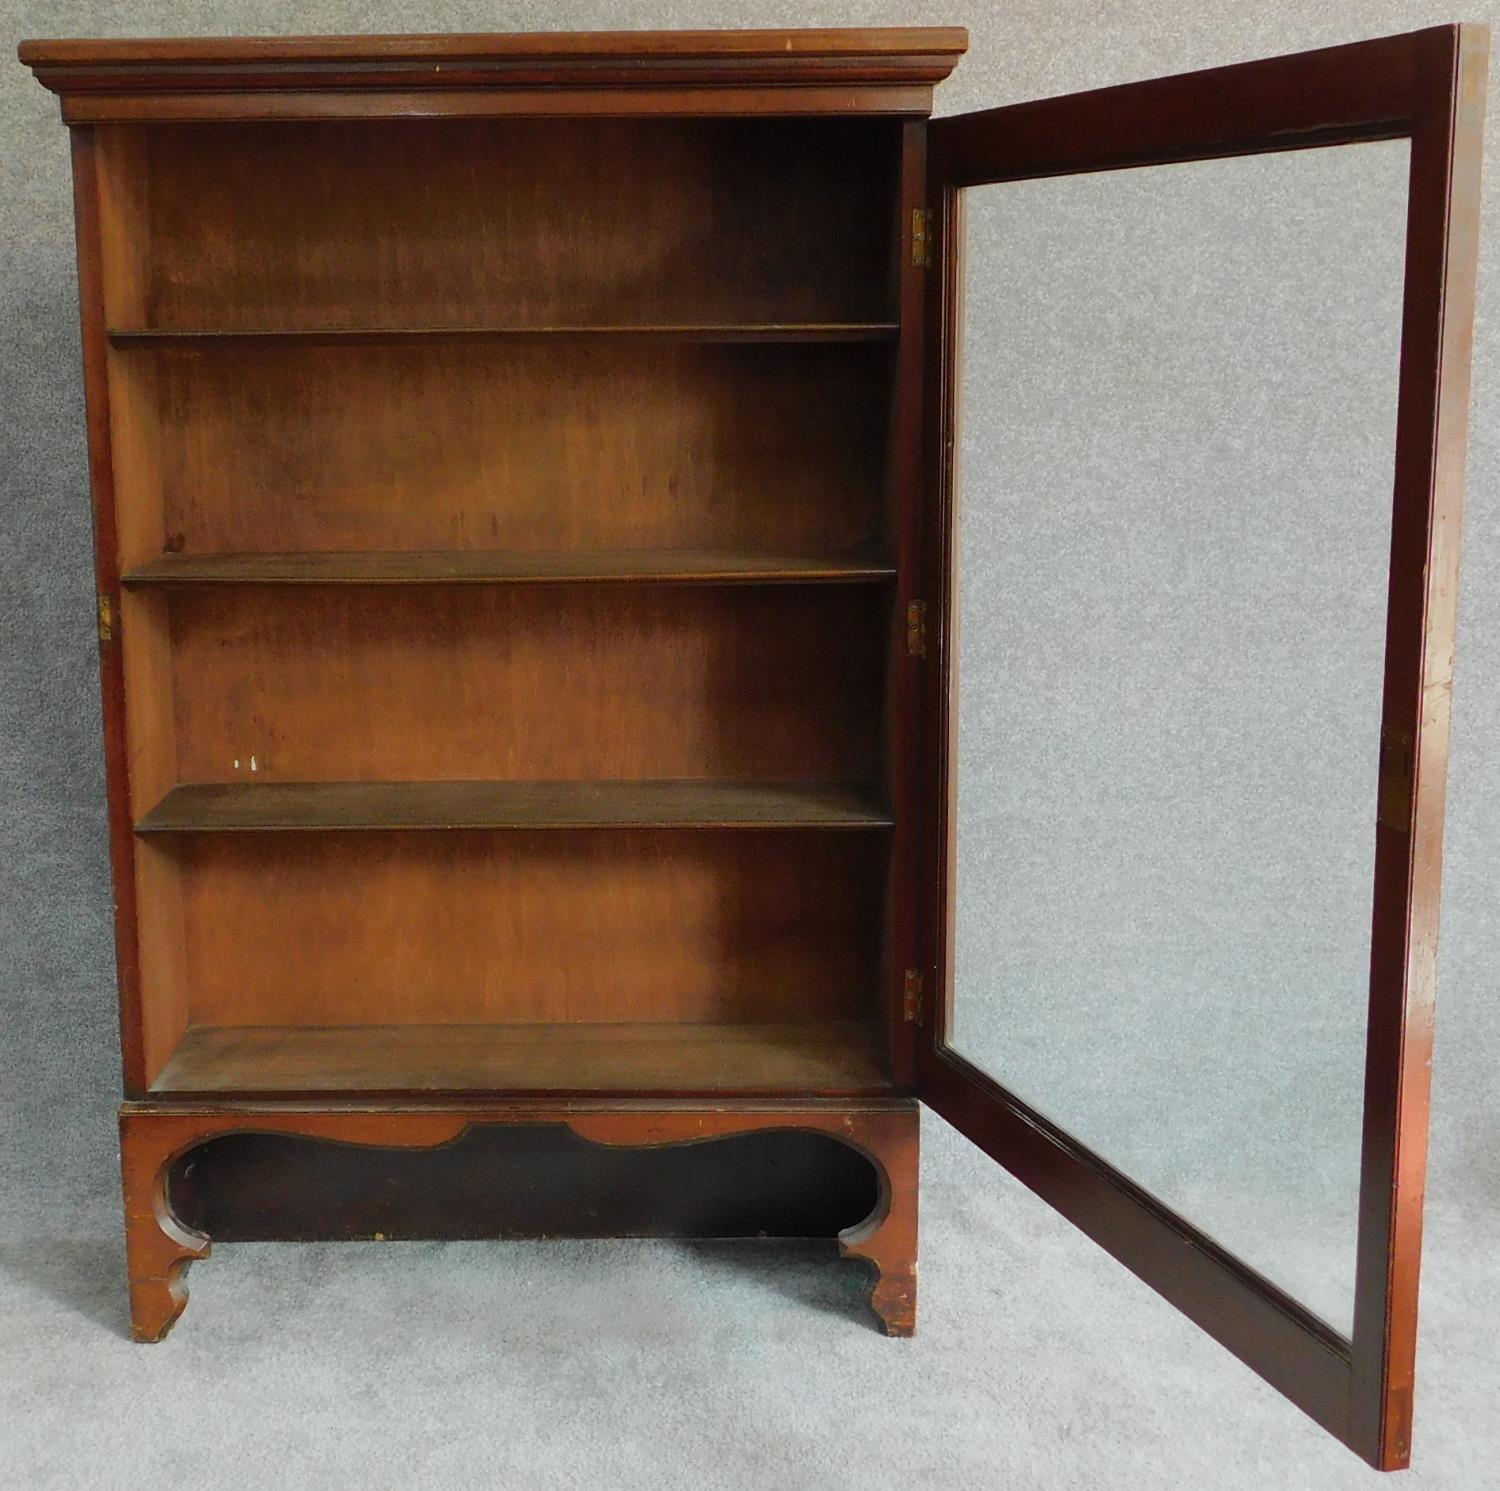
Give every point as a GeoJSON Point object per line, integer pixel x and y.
{"type": "Point", "coordinates": [106, 619]}
{"type": "Point", "coordinates": [916, 628]}
{"type": "Point", "coordinates": [921, 237]}
{"type": "Point", "coordinates": [911, 996]}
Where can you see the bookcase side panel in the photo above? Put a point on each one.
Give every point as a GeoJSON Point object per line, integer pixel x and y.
{"type": "Point", "coordinates": [136, 717]}
{"type": "Point", "coordinates": [139, 622]}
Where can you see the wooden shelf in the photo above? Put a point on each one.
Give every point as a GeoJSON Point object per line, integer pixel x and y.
{"type": "Point", "coordinates": [826, 1057]}
{"type": "Point", "coordinates": [481, 567]}
{"type": "Point", "coordinates": [805, 331]}
{"type": "Point", "coordinates": [281, 806]}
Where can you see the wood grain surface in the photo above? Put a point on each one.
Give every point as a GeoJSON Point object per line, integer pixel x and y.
{"type": "Point", "coordinates": [505, 223]}
{"type": "Point", "coordinates": [527, 683]}
{"type": "Point", "coordinates": [426, 927]}
{"type": "Point", "coordinates": [823, 1057]}
{"type": "Point", "coordinates": [507, 566]}
{"type": "Point", "coordinates": [310, 806]}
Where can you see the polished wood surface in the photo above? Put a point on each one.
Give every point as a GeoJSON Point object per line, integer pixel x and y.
{"type": "Point", "coordinates": [667, 48]}
{"type": "Point", "coordinates": [1451, 67]}
{"type": "Point", "coordinates": [148, 1029]}
{"type": "Point", "coordinates": [154, 1136]}
{"type": "Point", "coordinates": [510, 566]}
{"type": "Point", "coordinates": [527, 683]}
{"type": "Point", "coordinates": [592, 925]}
{"type": "Point", "coordinates": [321, 104]}
{"type": "Point", "coordinates": [556, 445]}
{"type": "Point", "coordinates": [907, 525]}
{"type": "Point", "coordinates": [717, 230]}
{"type": "Point", "coordinates": [348, 440]}
{"type": "Point", "coordinates": [620, 74]}
{"type": "Point", "coordinates": [827, 1057]}
{"type": "Point", "coordinates": [766, 60]}
{"type": "Point", "coordinates": [1330, 96]}
{"type": "Point", "coordinates": [496, 440]}
{"type": "Point", "coordinates": [1429, 86]}
{"type": "Point", "coordinates": [709, 332]}
{"type": "Point", "coordinates": [462, 370]}
{"type": "Point", "coordinates": [259, 806]}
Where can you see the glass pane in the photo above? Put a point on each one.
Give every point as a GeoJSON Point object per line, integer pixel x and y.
{"type": "Point", "coordinates": [1178, 395]}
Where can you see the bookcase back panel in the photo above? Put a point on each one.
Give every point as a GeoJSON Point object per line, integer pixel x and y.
{"type": "Point", "coordinates": [507, 221]}
{"type": "Point", "coordinates": [529, 683]}
{"type": "Point", "coordinates": [535, 445]}
{"type": "Point", "coordinates": [443, 927]}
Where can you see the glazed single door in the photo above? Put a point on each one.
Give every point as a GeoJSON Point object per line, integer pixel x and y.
{"type": "Point", "coordinates": [1196, 407]}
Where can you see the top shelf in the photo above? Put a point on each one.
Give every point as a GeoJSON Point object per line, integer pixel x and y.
{"type": "Point", "coordinates": [726, 332]}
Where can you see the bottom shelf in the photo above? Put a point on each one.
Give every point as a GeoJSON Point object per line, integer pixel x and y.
{"type": "Point", "coordinates": [835, 1057]}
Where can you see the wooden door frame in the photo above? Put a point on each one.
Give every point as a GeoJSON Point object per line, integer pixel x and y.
{"type": "Point", "coordinates": [1427, 86]}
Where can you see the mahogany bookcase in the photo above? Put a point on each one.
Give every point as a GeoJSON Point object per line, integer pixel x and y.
{"type": "Point", "coordinates": [521, 469]}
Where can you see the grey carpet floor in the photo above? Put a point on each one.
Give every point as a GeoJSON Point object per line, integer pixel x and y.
{"type": "Point", "coordinates": [1038, 1361]}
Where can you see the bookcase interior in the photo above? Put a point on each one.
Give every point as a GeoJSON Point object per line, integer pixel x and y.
{"type": "Point", "coordinates": [505, 521]}
{"type": "Point", "coordinates": [514, 443]}
{"type": "Point", "coordinates": [504, 222]}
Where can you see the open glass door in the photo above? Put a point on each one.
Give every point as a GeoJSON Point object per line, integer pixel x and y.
{"type": "Point", "coordinates": [1196, 407]}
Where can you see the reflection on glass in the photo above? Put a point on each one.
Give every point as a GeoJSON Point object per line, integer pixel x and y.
{"type": "Point", "coordinates": [1178, 389]}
